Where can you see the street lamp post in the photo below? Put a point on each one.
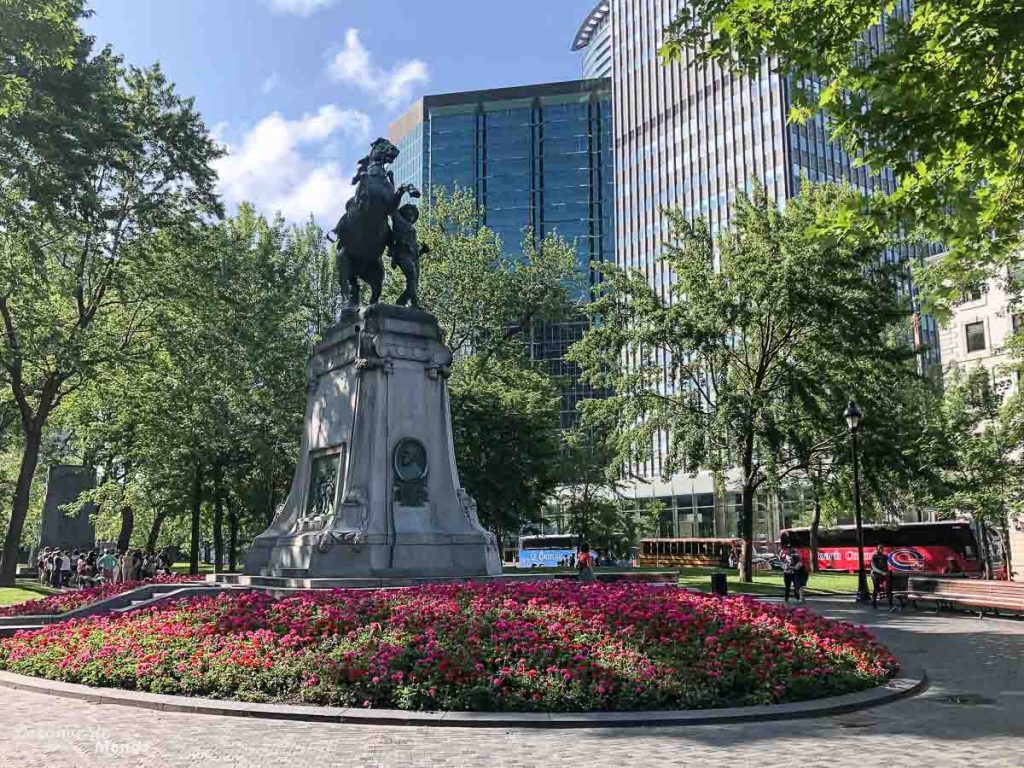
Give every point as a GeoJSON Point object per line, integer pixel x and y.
{"type": "Point", "coordinates": [852, 415]}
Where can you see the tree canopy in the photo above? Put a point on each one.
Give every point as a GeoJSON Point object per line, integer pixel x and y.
{"type": "Point", "coordinates": [747, 358]}
{"type": "Point", "coordinates": [938, 99]}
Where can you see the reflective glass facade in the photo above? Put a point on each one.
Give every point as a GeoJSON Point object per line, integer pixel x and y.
{"type": "Point", "coordinates": [594, 38]}
{"type": "Point", "coordinates": [691, 136]}
{"type": "Point", "coordinates": [534, 156]}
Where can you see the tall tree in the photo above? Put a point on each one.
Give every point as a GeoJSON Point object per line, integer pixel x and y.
{"type": "Point", "coordinates": [725, 370]}
{"type": "Point", "coordinates": [39, 36]}
{"type": "Point", "coordinates": [589, 492]}
{"type": "Point", "coordinates": [79, 285]}
{"type": "Point", "coordinates": [984, 476]}
{"type": "Point", "coordinates": [940, 102]}
{"type": "Point", "coordinates": [506, 433]}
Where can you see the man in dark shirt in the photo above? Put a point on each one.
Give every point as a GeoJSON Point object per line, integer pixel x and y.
{"type": "Point", "coordinates": [880, 575]}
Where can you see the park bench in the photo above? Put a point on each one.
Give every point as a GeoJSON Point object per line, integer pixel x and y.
{"type": "Point", "coordinates": [975, 594]}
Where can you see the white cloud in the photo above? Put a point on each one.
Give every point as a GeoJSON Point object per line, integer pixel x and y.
{"type": "Point", "coordinates": [270, 83]}
{"type": "Point", "coordinates": [299, 7]}
{"type": "Point", "coordinates": [282, 165]}
{"type": "Point", "coordinates": [391, 87]}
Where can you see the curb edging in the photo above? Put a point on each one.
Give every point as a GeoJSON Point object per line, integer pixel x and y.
{"type": "Point", "coordinates": [909, 682]}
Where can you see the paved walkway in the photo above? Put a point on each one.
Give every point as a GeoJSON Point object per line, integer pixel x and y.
{"type": "Point", "coordinates": [973, 714]}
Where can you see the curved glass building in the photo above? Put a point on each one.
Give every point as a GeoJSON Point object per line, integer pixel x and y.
{"type": "Point", "coordinates": [594, 38]}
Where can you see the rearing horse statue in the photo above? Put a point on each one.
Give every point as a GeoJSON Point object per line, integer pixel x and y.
{"type": "Point", "coordinates": [363, 232]}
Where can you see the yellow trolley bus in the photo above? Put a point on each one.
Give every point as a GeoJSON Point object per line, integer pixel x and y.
{"type": "Point", "coordinates": [682, 553]}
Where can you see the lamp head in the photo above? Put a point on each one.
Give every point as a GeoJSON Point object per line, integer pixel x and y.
{"type": "Point", "coordinates": [852, 415]}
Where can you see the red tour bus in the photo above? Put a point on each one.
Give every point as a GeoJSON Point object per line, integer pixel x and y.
{"type": "Point", "coordinates": [946, 547]}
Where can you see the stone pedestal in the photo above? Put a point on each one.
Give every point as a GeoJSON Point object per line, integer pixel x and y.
{"type": "Point", "coordinates": [376, 492]}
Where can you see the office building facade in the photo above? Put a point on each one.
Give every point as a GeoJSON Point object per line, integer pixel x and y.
{"type": "Point", "coordinates": [691, 137]}
{"type": "Point", "coordinates": [594, 39]}
{"type": "Point", "coordinates": [535, 156]}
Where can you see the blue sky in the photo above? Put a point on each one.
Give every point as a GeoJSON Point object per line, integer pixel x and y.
{"type": "Point", "coordinates": [296, 89]}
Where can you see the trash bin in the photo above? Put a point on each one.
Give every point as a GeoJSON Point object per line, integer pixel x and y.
{"type": "Point", "coordinates": [719, 584]}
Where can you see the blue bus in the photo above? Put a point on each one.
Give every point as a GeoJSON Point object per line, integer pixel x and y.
{"type": "Point", "coordinates": [548, 550]}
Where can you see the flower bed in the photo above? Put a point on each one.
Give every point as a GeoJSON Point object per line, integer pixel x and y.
{"type": "Point", "coordinates": [538, 646]}
{"type": "Point", "coordinates": [62, 602]}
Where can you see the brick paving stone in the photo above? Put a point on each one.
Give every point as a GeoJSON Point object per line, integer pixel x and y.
{"type": "Point", "coordinates": [967, 659]}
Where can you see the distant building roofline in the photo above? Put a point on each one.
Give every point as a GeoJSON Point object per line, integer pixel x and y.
{"type": "Point", "coordinates": [591, 23]}
{"type": "Point", "coordinates": [418, 111]}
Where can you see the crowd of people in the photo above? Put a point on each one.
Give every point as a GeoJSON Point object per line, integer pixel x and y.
{"type": "Point", "coordinates": [61, 568]}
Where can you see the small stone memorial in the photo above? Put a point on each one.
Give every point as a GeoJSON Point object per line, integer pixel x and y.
{"type": "Point", "coordinates": [64, 484]}
{"type": "Point", "coordinates": [376, 493]}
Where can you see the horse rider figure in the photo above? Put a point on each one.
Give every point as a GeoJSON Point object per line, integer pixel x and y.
{"type": "Point", "coordinates": [364, 232]}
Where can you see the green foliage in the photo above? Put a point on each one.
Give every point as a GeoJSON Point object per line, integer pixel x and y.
{"type": "Point", "coordinates": [762, 334]}
{"type": "Point", "coordinates": [483, 295]}
{"type": "Point", "coordinates": [506, 432]}
{"type": "Point", "coordinates": [940, 103]}
{"type": "Point", "coordinates": [983, 472]}
{"type": "Point", "coordinates": [38, 36]}
{"type": "Point", "coordinates": [589, 493]}
{"type": "Point", "coordinates": [87, 265]}
{"type": "Point", "coordinates": [222, 387]}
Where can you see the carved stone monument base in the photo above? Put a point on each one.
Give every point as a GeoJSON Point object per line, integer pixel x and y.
{"type": "Point", "coordinates": [376, 492]}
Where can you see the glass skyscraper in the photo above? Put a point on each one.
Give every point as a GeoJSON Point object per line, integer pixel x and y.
{"type": "Point", "coordinates": [535, 156]}
{"type": "Point", "coordinates": [690, 137]}
{"type": "Point", "coordinates": [594, 38]}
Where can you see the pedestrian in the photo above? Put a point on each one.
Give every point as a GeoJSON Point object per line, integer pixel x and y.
{"type": "Point", "coordinates": [787, 572]}
{"type": "Point", "coordinates": [137, 565]}
{"type": "Point", "coordinates": [65, 570]}
{"type": "Point", "coordinates": [800, 576]}
{"type": "Point", "coordinates": [585, 563]}
{"type": "Point", "coordinates": [107, 564]}
{"type": "Point", "coordinates": [43, 566]}
{"type": "Point", "coordinates": [119, 569]}
{"type": "Point", "coordinates": [880, 575]}
{"type": "Point", "coordinates": [82, 573]}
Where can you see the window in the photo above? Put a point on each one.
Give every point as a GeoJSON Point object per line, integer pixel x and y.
{"type": "Point", "coordinates": [975, 336]}
{"type": "Point", "coordinates": [972, 294]}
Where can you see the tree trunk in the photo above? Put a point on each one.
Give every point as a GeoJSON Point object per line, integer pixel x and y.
{"type": "Point", "coordinates": [815, 525]}
{"type": "Point", "coordinates": [124, 537]}
{"type": "Point", "coordinates": [197, 503]}
{"type": "Point", "coordinates": [232, 538]}
{"type": "Point", "coordinates": [747, 514]}
{"type": "Point", "coordinates": [154, 531]}
{"type": "Point", "coordinates": [1004, 547]}
{"type": "Point", "coordinates": [218, 517]}
{"type": "Point", "coordinates": [19, 506]}
{"type": "Point", "coordinates": [986, 550]}
{"type": "Point", "coordinates": [271, 498]}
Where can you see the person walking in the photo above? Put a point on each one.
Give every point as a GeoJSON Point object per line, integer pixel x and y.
{"type": "Point", "coordinates": [82, 573]}
{"type": "Point", "coordinates": [65, 569]}
{"type": "Point", "coordinates": [800, 576]}
{"type": "Point", "coordinates": [585, 564]}
{"type": "Point", "coordinates": [880, 575]}
{"type": "Point", "coordinates": [787, 572]}
{"type": "Point", "coordinates": [107, 563]}
{"type": "Point", "coordinates": [43, 566]}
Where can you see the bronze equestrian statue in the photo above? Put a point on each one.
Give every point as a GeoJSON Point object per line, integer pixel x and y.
{"type": "Point", "coordinates": [364, 231]}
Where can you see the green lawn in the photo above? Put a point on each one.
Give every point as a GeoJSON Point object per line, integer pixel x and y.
{"type": "Point", "coordinates": [25, 591]}
{"type": "Point", "coordinates": [602, 569]}
{"type": "Point", "coordinates": [182, 568]}
{"type": "Point", "coordinates": [769, 583]}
